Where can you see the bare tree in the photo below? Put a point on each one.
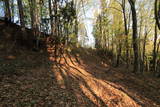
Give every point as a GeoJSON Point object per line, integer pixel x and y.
{"type": "Point", "coordinates": [7, 10]}
{"type": "Point", "coordinates": [123, 5]}
{"type": "Point", "coordinates": [34, 14]}
{"type": "Point", "coordinates": [21, 13]}
{"type": "Point", "coordinates": [157, 12]}
{"type": "Point", "coordinates": [154, 49]}
{"type": "Point", "coordinates": [134, 35]}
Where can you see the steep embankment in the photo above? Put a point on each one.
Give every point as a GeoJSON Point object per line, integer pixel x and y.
{"type": "Point", "coordinates": [13, 33]}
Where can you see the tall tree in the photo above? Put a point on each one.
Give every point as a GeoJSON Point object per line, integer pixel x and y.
{"type": "Point", "coordinates": [34, 14]}
{"type": "Point", "coordinates": [21, 13]}
{"type": "Point", "coordinates": [51, 16]}
{"type": "Point", "coordinates": [7, 10]}
{"type": "Point", "coordinates": [12, 9]}
{"type": "Point", "coordinates": [134, 35]}
{"type": "Point", "coordinates": [157, 12]}
{"type": "Point", "coordinates": [126, 27]}
{"type": "Point", "coordinates": [155, 49]}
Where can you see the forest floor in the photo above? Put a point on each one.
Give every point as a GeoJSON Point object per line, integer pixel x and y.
{"type": "Point", "coordinates": [81, 79]}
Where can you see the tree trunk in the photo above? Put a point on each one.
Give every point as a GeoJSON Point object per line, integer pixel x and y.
{"type": "Point", "coordinates": [141, 50]}
{"type": "Point", "coordinates": [155, 50]}
{"type": "Point", "coordinates": [134, 36]}
{"type": "Point", "coordinates": [51, 17]}
{"type": "Point", "coordinates": [126, 31]}
{"type": "Point", "coordinates": [158, 46]}
{"type": "Point", "coordinates": [35, 21]}
{"type": "Point", "coordinates": [119, 53]}
{"type": "Point", "coordinates": [34, 14]}
{"type": "Point", "coordinates": [144, 52]}
{"type": "Point", "coordinates": [21, 13]}
{"type": "Point", "coordinates": [12, 10]}
{"type": "Point", "coordinates": [55, 8]}
{"type": "Point", "coordinates": [156, 12]}
{"type": "Point", "coordinates": [7, 11]}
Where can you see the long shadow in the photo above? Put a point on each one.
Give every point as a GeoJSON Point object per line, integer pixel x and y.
{"type": "Point", "coordinates": [69, 87]}
{"type": "Point", "coordinates": [80, 79]}
{"type": "Point", "coordinates": [72, 66]}
{"type": "Point", "coordinates": [124, 91]}
{"type": "Point", "coordinates": [122, 83]}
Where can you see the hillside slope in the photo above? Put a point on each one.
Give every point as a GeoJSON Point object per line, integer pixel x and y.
{"type": "Point", "coordinates": [79, 79]}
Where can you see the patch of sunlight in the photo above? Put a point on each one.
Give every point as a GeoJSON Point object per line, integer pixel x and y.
{"type": "Point", "coordinates": [89, 94]}
{"type": "Point", "coordinates": [60, 79]}
{"type": "Point", "coordinates": [97, 90]}
{"type": "Point", "coordinates": [64, 72]}
{"type": "Point", "coordinates": [74, 68]}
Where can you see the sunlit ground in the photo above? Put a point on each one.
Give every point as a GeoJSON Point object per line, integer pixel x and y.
{"type": "Point", "coordinates": [87, 79]}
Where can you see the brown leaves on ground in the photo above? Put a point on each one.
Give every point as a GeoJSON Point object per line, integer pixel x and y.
{"type": "Point", "coordinates": [78, 80]}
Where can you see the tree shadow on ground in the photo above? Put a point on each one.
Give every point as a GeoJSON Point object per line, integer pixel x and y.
{"type": "Point", "coordinates": [142, 89]}
{"type": "Point", "coordinates": [76, 80]}
{"type": "Point", "coordinates": [73, 76]}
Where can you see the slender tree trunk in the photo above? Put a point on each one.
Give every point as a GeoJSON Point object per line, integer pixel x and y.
{"type": "Point", "coordinates": [21, 13]}
{"type": "Point", "coordinates": [156, 12]}
{"type": "Point", "coordinates": [112, 43]}
{"type": "Point", "coordinates": [144, 52]}
{"type": "Point", "coordinates": [126, 31]}
{"type": "Point", "coordinates": [141, 50]}
{"type": "Point", "coordinates": [100, 25]}
{"type": "Point", "coordinates": [119, 53]}
{"type": "Point", "coordinates": [35, 21]}
{"type": "Point", "coordinates": [134, 36]}
{"type": "Point", "coordinates": [108, 41]}
{"type": "Point", "coordinates": [55, 9]}
{"type": "Point", "coordinates": [12, 10]}
{"type": "Point", "coordinates": [154, 50]}
{"type": "Point", "coordinates": [158, 46]}
{"type": "Point", "coordinates": [76, 21]}
{"type": "Point", "coordinates": [158, 61]}
{"type": "Point", "coordinates": [7, 10]}
{"type": "Point", "coordinates": [51, 16]}
{"type": "Point", "coordinates": [34, 14]}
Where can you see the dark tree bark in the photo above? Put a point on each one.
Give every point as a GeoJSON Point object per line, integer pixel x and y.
{"type": "Point", "coordinates": [155, 50]}
{"type": "Point", "coordinates": [21, 13]}
{"type": "Point", "coordinates": [12, 10]}
{"type": "Point", "coordinates": [51, 17]}
{"type": "Point", "coordinates": [144, 49]}
{"type": "Point", "coordinates": [158, 46]}
{"type": "Point", "coordinates": [157, 12]}
{"type": "Point", "coordinates": [119, 53]}
{"type": "Point", "coordinates": [134, 36]}
{"type": "Point", "coordinates": [34, 14]}
{"type": "Point", "coordinates": [35, 22]}
{"type": "Point", "coordinates": [7, 11]}
{"type": "Point", "coordinates": [141, 50]}
{"type": "Point", "coordinates": [126, 31]}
